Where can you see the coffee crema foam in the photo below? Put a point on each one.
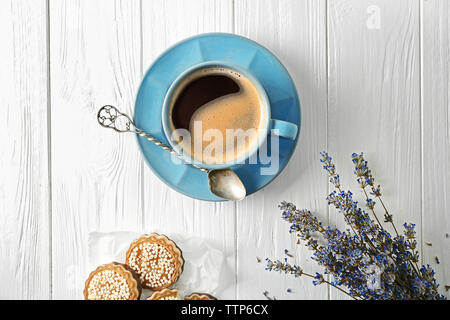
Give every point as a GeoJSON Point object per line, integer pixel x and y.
{"type": "Point", "coordinates": [222, 111]}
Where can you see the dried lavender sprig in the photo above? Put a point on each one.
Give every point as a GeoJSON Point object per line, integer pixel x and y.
{"type": "Point", "coordinates": [345, 206]}
{"type": "Point", "coordinates": [287, 268]}
{"type": "Point", "coordinates": [365, 179]}
{"type": "Point", "coordinates": [340, 244]}
{"type": "Point", "coordinates": [354, 265]}
{"type": "Point", "coordinates": [353, 258]}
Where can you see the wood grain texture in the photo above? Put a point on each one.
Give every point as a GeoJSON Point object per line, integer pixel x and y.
{"type": "Point", "coordinates": [436, 137]}
{"type": "Point", "coordinates": [97, 174]}
{"type": "Point", "coordinates": [295, 31]}
{"type": "Point", "coordinates": [166, 22]}
{"type": "Point", "coordinates": [24, 185]}
{"type": "Point", "coordinates": [374, 100]}
{"type": "Point", "coordinates": [366, 82]}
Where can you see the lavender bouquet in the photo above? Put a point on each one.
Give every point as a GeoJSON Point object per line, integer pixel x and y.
{"type": "Point", "coordinates": [364, 261]}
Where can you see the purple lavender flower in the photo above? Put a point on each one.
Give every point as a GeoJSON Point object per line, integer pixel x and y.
{"type": "Point", "coordinates": [365, 261]}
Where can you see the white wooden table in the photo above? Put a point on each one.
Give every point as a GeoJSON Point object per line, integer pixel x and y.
{"type": "Point", "coordinates": [373, 76]}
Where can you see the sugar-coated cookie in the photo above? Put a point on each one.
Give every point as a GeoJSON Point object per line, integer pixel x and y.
{"type": "Point", "coordinates": [156, 260]}
{"type": "Point", "coordinates": [165, 294]}
{"type": "Point", "coordinates": [114, 281]}
{"type": "Point", "coordinates": [199, 296]}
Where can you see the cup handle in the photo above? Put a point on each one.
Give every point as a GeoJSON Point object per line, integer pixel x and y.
{"type": "Point", "coordinates": [285, 129]}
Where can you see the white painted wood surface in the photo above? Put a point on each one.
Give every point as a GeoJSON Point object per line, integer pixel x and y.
{"type": "Point", "coordinates": [373, 76]}
{"type": "Point", "coordinates": [374, 101]}
{"type": "Point", "coordinates": [24, 179]}
{"type": "Point", "coordinates": [96, 175]}
{"type": "Point", "coordinates": [436, 136]}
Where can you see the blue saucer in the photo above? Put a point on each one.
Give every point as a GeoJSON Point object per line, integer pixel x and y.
{"type": "Point", "coordinates": [241, 51]}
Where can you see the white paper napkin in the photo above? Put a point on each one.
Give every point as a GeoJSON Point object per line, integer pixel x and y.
{"type": "Point", "coordinates": [204, 267]}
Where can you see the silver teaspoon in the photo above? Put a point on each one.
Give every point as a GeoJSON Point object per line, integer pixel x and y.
{"type": "Point", "coordinates": [224, 183]}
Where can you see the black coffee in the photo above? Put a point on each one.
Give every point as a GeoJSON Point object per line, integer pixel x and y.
{"type": "Point", "coordinates": [198, 93]}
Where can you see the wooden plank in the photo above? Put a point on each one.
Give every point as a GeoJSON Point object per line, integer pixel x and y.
{"type": "Point", "coordinates": [24, 181]}
{"type": "Point", "coordinates": [374, 100]}
{"type": "Point", "coordinates": [165, 23]}
{"type": "Point", "coordinates": [97, 174]}
{"type": "Point", "coordinates": [436, 137]}
{"type": "Point", "coordinates": [295, 31]}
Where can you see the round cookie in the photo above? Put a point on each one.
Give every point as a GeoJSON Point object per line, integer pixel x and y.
{"type": "Point", "coordinates": [114, 281]}
{"type": "Point", "coordinates": [165, 294]}
{"type": "Point", "coordinates": [199, 296]}
{"type": "Point", "coordinates": [156, 260]}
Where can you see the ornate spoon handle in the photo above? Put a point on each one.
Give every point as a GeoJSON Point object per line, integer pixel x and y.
{"type": "Point", "coordinates": [111, 117]}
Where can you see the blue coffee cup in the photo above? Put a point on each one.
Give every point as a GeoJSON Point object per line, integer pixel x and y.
{"type": "Point", "coordinates": [280, 128]}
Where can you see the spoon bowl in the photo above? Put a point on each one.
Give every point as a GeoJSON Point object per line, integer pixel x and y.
{"type": "Point", "coordinates": [226, 184]}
